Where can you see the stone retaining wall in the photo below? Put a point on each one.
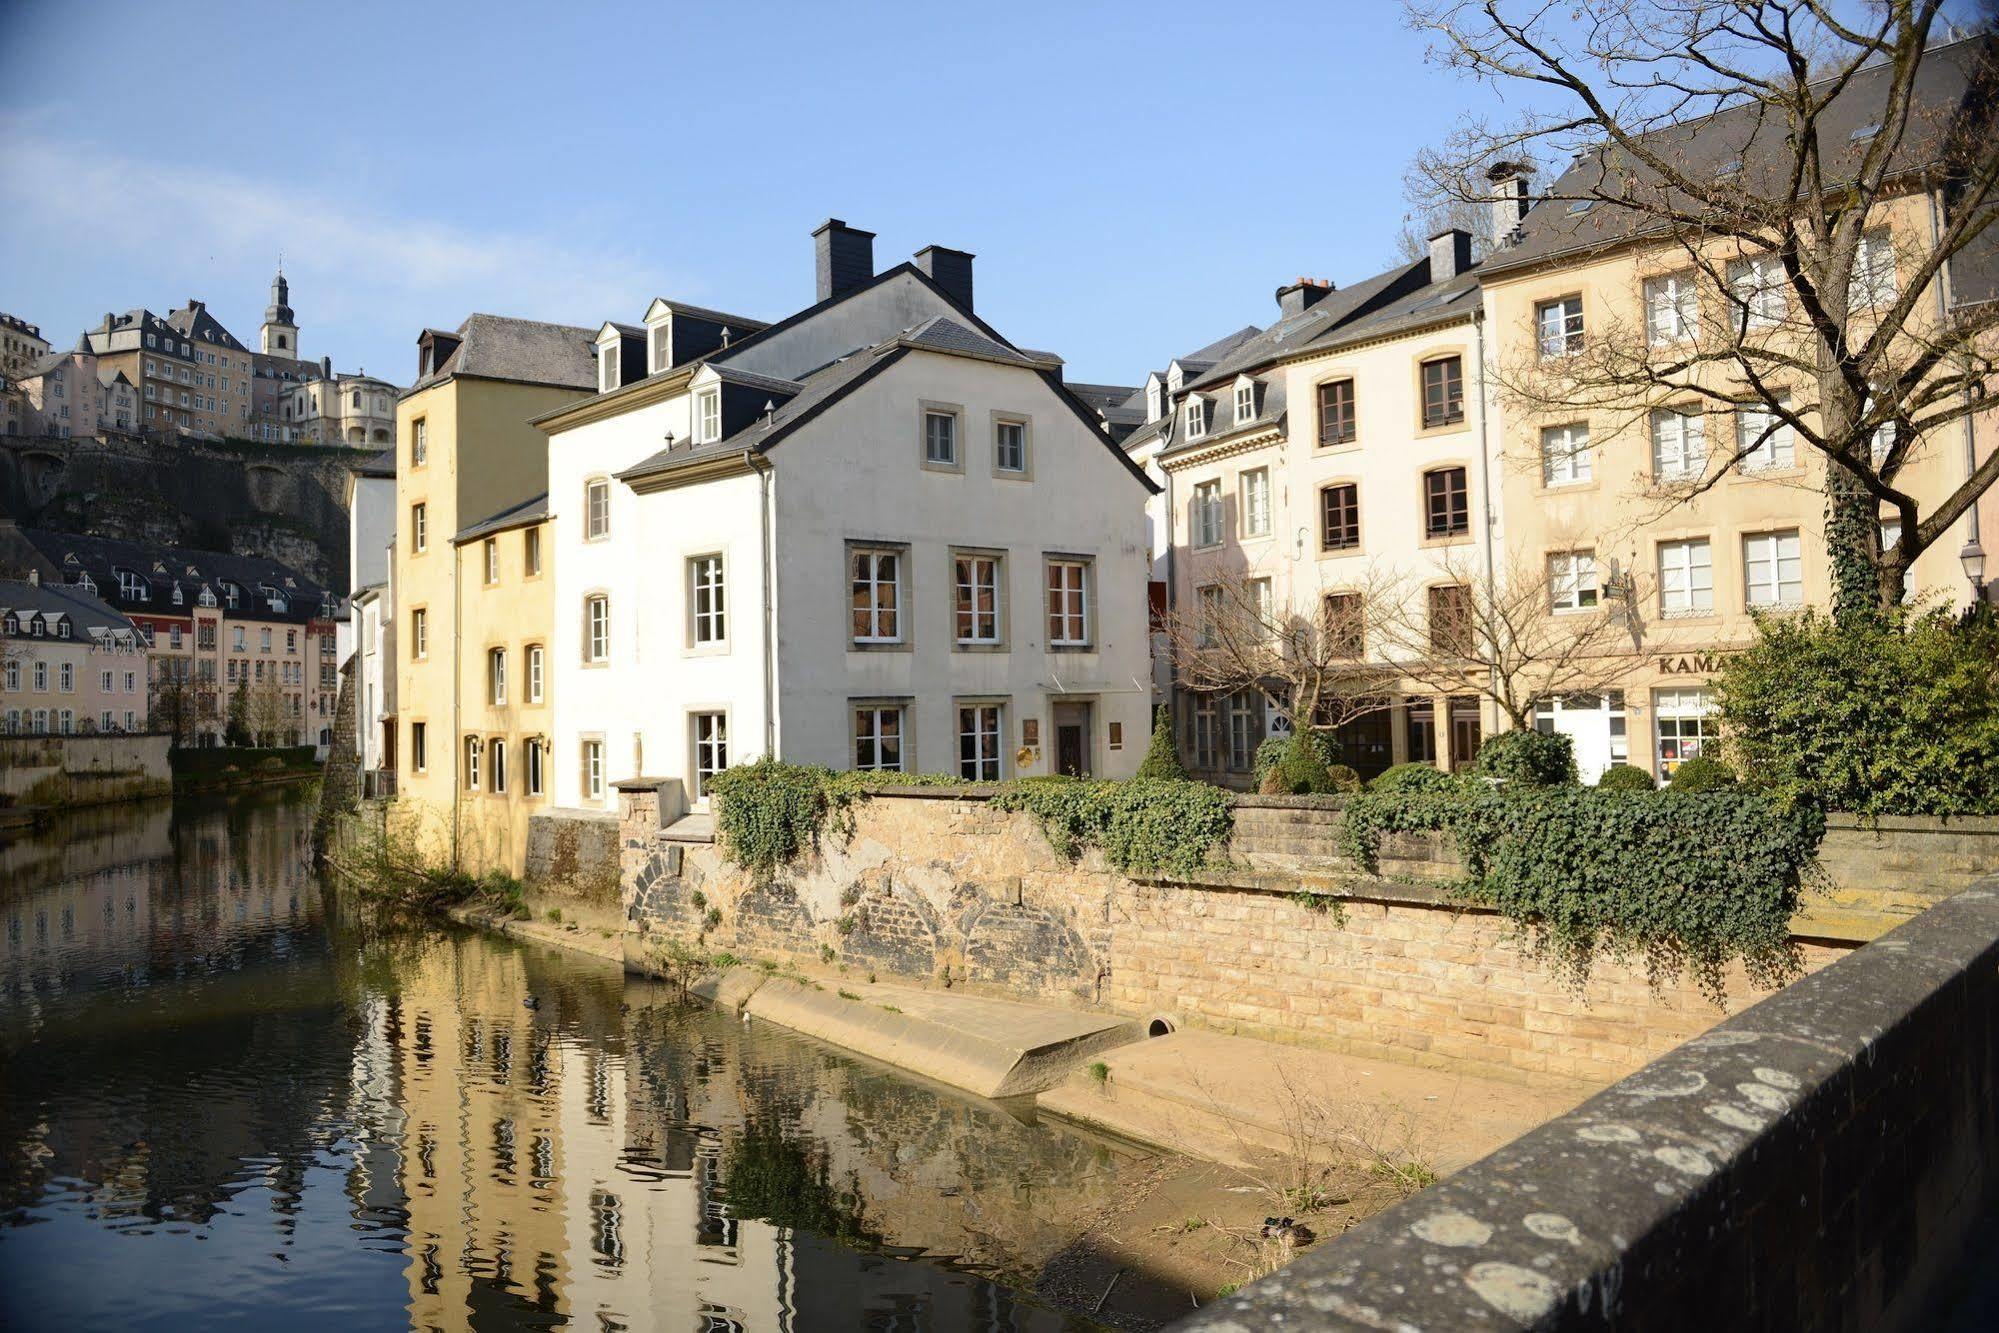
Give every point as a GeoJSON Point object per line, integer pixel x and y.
{"type": "Point", "coordinates": [574, 853]}
{"type": "Point", "coordinates": [939, 885]}
{"type": "Point", "coordinates": [1825, 1159]}
{"type": "Point", "coordinates": [58, 772]}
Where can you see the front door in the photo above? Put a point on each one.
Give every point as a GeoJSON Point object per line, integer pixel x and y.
{"type": "Point", "coordinates": [1072, 740]}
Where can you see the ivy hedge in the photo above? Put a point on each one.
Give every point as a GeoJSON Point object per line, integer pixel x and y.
{"type": "Point", "coordinates": [1685, 881]}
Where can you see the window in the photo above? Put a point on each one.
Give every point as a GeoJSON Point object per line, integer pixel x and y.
{"type": "Point", "coordinates": [419, 634]}
{"type": "Point", "coordinates": [1572, 581]}
{"type": "Point", "coordinates": [1245, 402]}
{"type": "Point", "coordinates": [597, 628]}
{"type": "Point", "coordinates": [1010, 446]}
{"type": "Point", "coordinates": [1345, 624]}
{"type": "Point", "coordinates": [1773, 569]}
{"type": "Point", "coordinates": [1210, 601]}
{"type": "Point", "coordinates": [593, 770]}
{"type": "Point", "coordinates": [662, 345]}
{"type": "Point", "coordinates": [707, 416]}
{"type": "Point", "coordinates": [1207, 733]}
{"type": "Point", "coordinates": [596, 509]}
{"type": "Point", "coordinates": [1672, 310]}
{"type": "Point", "coordinates": [1419, 723]}
{"type": "Point", "coordinates": [1245, 723]}
{"type": "Point", "coordinates": [1256, 502]}
{"type": "Point", "coordinates": [1763, 439]}
{"type": "Point", "coordinates": [1336, 413]}
{"type": "Point", "coordinates": [977, 579]}
{"type": "Point", "coordinates": [1339, 517]}
{"type": "Point", "coordinates": [878, 738]}
{"type": "Point", "coordinates": [877, 600]}
{"type": "Point", "coordinates": [1443, 391]}
{"type": "Point", "coordinates": [1450, 619]}
{"type": "Point", "coordinates": [1686, 723]}
{"type": "Point", "coordinates": [531, 552]}
{"type": "Point", "coordinates": [1197, 416]}
{"type": "Point", "coordinates": [1679, 444]}
{"type": "Point", "coordinates": [41, 677]}
{"type": "Point", "coordinates": [66, 676]}
{"type": "Point", "coordinates": [1446, 503]}
{"type": "Point", "coordinates": [497, 778]}
{"type": "Point", "coordinates": [492, 547]}
{"type": "Point", "coordinates": [940, 438]}
{"type": "Point", "coordinates": [1756, 285]}
{"type": "Point", "coordinates": [419, 530]}
{"type": "Point", "coordinates": [1558, 326]}
{"type": "Point", "coordinates": [1565, 457]}
{"type": "Point", "coordinates": [537, 672]}
{"type": "Point", "coordinates": [1891, 533]}
{"type": "Point", "coordinates": [471, 763]}
{"type": "Point", "coordinates": [979, 742]}
{"type": "Point", "coordinates": [607, 366]}
{"type": "Point", "coordinates": [711, 749]}
{"type": "Point", "coordinates": [707, 599]}
{"type": "Point", "coordinates": [1205, 513]}
{"type": "Point", "coordinates": [534, 767]}
{"type": "Point", "coordinates": [1873, 279]}
{"type": "Point", "coordinates": [496, 676]}
{"type": "Point", "coordinates": [1068, 603]}
{"type": "Point", "coordinates": [1686, 577]}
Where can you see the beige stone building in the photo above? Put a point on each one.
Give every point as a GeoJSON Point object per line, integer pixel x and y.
{"type": "Point", "coordinates": [329, 408]}
{"type": "Point", "coordinates": [21, 344]}
{"type": "Point", "coordinates": [76, 393]}
{"type": "Point", "coordinates": [474, 688]}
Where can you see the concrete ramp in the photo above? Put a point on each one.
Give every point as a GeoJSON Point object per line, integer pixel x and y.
{"type": "Point", "coordinates": [995, 1048]}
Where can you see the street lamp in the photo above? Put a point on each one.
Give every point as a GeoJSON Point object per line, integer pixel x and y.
{"type": "Point", "coordinates": [1972, 557]}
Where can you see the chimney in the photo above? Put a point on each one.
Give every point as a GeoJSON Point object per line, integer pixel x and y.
{"type": "Point", "coordinates": [845, 257]}
{"type": "Point", "coordinates": [1301, 296]}
{"type": "Point", "coordinates": [949, 269]}
{"type": "Point", "coordinates": [1509, 201]}
{"type": "Point", "coordinates": [1450, 254]}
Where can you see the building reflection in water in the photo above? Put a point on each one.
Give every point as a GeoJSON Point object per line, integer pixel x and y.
{"type": "Point", "coordinates": [276, 1101]}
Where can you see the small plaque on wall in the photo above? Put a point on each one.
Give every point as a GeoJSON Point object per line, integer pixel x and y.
{"type": "Point", "coordinates": [1030, 732]}
{"type": "Point", "coordinates": [1117, 735]}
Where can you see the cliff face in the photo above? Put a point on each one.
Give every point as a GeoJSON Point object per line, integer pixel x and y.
{"type": "Point", "coordinates": [282, 501]}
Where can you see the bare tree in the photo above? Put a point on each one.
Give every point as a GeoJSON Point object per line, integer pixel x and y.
{"type": "Point", "coordinates": [1434, 207]}
{"type": "Point", "coordinates": [174, 705]}
{"type": "Point", "coordinates": [1307, 663]}
{"type": "Point", "coordinates": [1831, 127]}
{"type": "Point", "coordinates": [1524, 635]}
{"type": "Point", "coordinates": [266, 712]}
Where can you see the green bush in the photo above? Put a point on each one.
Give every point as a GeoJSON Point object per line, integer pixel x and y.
{"type": "Point", "coordinates": [1142, 827]}
{"type": "Point", "coordinates": [1701, 774]}
{"type": "Point", "coordinates": [1273, 747]}
{"type": "Point", "coordinates": [1625, 777]}
{"type": "Point", "coordinates": [767, 813]}
{"type": "Point", "coordinates": [1299, 768]}
{"type": "Point", "coordinates": [1528, 758]}
{"type": "Point", "coordinates": [1896, 715]}
{"type": "Point", "coordinates": [1162, 757]}
{"type": "Point", "coordinates": [1411, 777]}
{"type": "Point", "coordinates": [1691, 881]}
{"type": "Point", "coordinates": [1342, 778]}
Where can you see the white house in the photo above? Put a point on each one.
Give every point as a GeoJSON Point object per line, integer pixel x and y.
{"type": "Point", "coordinates": [874, 534]}
{"type": "Point", "coordinates": [371, 536]}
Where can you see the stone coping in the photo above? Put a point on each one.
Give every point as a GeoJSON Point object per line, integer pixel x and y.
{"type": "Point", "coordinates": [1820, 1159]}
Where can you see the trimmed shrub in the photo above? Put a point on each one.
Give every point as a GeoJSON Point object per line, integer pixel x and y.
{"type": "Point", "coordinates": [1411, 777]}
{"type": "Point", "coordinates": [1342, 778]}
{"type": "Point", "coordinates": [1702, 774]}
{"type": "Point", "coordinates": [1528, 758]}
{"type": "Point", "coordinates": [1896, 714]}
{"type": "Point", "coordinates": [1300, 770]}
{"type": "Point", "coordinates": [1162, 757]}
{"type": "Point", "coordinates": [1273, 748]}
{"type": "Point", "coordinates": [1626, 777]}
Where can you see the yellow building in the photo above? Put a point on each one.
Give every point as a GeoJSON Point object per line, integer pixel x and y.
{"type": "Point", "coordinates": [472, 585]}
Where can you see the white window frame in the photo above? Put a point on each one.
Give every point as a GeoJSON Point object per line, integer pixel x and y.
{"type": "Point", "coordinates": [1778, 451]}
{"type": "Point", "coordinates": [1197, 416]}
{"type": "Point", "coordinates": [1256, 513]}
{"type": "Point", "coordinates": [1565, 455]}
{"type": "Point", "coordinates": [419, 633]}
{"type": "Point", "coordinates": [597, 627]}
{"type": "Point", "coordinates": [1756, 286]}
{"type": "Point", "coordinates": [610, 355]}
{"type": "Point", "coordinates": [1679, 444]}
{"type": "Point", "coordinates": [496, 766]}
{"type": "Point", "coordinates": [472, 746]}
{"type": "Point", "coordinates": [1017, 427]}
{"type": "Point", "coordinates": [537, 655]}
{"type": "Point", "coordinates": [708, 415]}
{"type": "Point", "coordinates": [1558, 326]}
{"type": "Point", "coordinates": [419, 531]}
{"type": "Point", "coordinates": [1205, 517]}
{"type": "Point", "coordinates": [1686, 577]}
{"type": "Point", "coordinates": [981, 734]}
{"type": "Point", "coordinates": [1681, 716]}
{"type": "Point", "coordinates": [419, 442]}
{"type": "Point", "coordinates": [708, 737]}
{"type": "Point", "coordinates": [596, 509]}
{"type": "Point", "coordinates": [1672, 309]}
{"type": "Point", "coordinates": [883, 624]}
{"type": "Point", "coordinates": [535, 761]}
{"type": "Point", "coordinates": [870, 731]}
{"type": "Point", "coordinates": [1245, 402]}
{"type": "Point", "coordinates": [966, 585]}
{"type": "Point", "coordinates": [1891, 532]}
{"type": "Point", "coordinates": [496, 677]}
{"type": "Point", "coordinates": [940, 428]}
{"type": "Point", "coordinates": [707, 600]}
{"type": "Point", "coordinates": [1572, 582]}
{"type": "Point", "coordinates": [593, 768]}
{"type": "Point", "coordinates": [1068, 602]}
{"type": "Point", "coordinates": [1772, 566]}
{"type": "Point", "coordinates": [1872, 284]}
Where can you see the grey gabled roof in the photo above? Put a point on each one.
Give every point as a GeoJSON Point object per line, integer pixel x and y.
{"type": "Point", "coordinates": [1119, 404]}
{"type": "Point", "coordinates": [71, 553]}
{"type": "Point", "coordinates": [941, 333]}
{"type": "Point", "coordinates": [379, 465]}
{"type": "Point", "coordinates": [1743, 134]}
{"type": "Point", "coordinates": [751, 379]}
{"type": "Point", "coordinates": [527, 351]}
{"type": "Point", "coordinates": [740, 324]}
{"type": "Point", "coordinates": [532, 510]}
{"type": "Point", "coordinates": [85, 612]}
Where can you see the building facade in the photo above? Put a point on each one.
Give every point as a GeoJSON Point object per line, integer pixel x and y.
{"type": "Point", "coordinates": [21, 344]}
{"type": "Point", "coordinates": [468, 468]}
{"type": "Point", "coordinates": [77, 393]}
{"type": "Point", "coordinates": [328, 408]}
{"type": "Point", "coordinates": [878, 535]}
{"type": "Point", "coordinates": [69, 663]}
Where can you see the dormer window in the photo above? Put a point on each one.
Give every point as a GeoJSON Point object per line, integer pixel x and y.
{"type": "Point", "coordinates": [1197, 418]}
{"type": "Point", "coordinates": [1152, 396]}
{"type": "Point", "coordinates": [132, 587]}
{"type": "Point", "coordinates": [180, 599]}
{"type": "Point", "coordinates": [206, 598]}
{"type": "Point", "coordinates": [1245, 402]}
{"type": "Point", "coordinates": [62, 629]}
{"type": "Point", "coordinates": [660, 336]}
{"type": "Point", "coordinates": [12, 625]}
{"type": "Point", "coordinates": [707, 416]}
{"type": "Point", "coordinates": [607, 366]}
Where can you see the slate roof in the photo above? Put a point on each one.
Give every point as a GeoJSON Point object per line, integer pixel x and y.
{"type": "Point", "coordinates": [163, 566]}
{"type": "Point", "coordinates": [496, 347]}
{"type": "Point", "coordinates": [737, 324]}
{"type": "Point", "coordinates": [532, 510]}
{"type": "Point", "coordinates": [195, 321]}
{"type": "Point", "coordinates": [89, 616]}
{"type": "Point", "coordinates": [941, 333]}
{"type": "Point", "coordinates": [380, 465]}
{"type": "Point", "coordinates": [1121, 406]}
{"type": "Point", "coordinates": [1701, 147]}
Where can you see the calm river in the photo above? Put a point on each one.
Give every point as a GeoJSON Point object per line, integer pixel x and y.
{"type": "Point", "coordinates": [229, 1098]}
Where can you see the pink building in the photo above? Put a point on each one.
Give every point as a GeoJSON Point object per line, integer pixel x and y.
{"type": "Point", "coordinates": [69, 663]}
{"type": "Point", "coordinates": [73, 393]}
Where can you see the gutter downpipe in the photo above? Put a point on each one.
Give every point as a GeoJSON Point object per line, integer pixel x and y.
{"type": "Point", "coordinates": [765, 481]}
{"type": "Point", "coordinates": [1488, 516]}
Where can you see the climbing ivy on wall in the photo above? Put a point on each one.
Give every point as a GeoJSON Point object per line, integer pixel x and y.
{"type": "Point", "coordinates": [1685, 881]}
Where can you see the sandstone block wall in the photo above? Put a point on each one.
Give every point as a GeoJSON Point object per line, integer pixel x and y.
{"type": "Point", "coordinates": [61, 771]}
{"type": "Point", "coordinates": [574, 852]}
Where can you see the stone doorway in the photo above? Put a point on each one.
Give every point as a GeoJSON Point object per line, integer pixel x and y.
{"type": "Point", "coordinates": [1072, 739]}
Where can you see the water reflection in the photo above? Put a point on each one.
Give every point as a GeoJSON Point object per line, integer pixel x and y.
{"type": "Point", "coordinates": [227, 1096]}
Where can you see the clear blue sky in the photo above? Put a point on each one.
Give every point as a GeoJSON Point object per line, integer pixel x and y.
{"type": "Point", "coordinates": [1135, 179]}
